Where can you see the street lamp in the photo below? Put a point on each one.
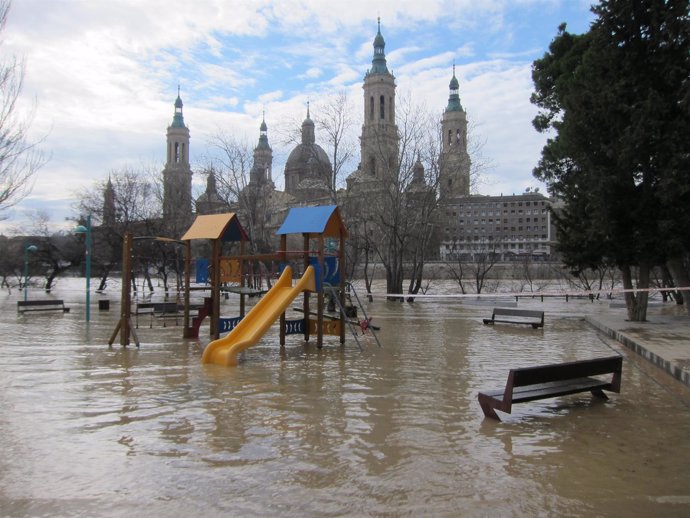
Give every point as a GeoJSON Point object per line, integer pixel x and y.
{"type": "Point", "coordinates": [27, 249]}
{"type": "Point", "coordinates": [81, 229]}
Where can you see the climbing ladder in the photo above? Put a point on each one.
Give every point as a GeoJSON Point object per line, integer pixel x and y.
{"type": "Point", "coordinates": [349, 288]}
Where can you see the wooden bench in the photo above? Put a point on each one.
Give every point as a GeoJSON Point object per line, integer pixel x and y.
{"type": "Point", "coordinates": [41, 305]}
{"type": "Point", "coordinates": [516, 316]}
{"type": "Point", "coordinates": [163, 310]}
{"type": "Point", "coordinates": [547, 381]}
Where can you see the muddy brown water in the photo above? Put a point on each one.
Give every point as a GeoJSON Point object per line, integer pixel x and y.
{"type": "Point", "coordinates": [88, 430]}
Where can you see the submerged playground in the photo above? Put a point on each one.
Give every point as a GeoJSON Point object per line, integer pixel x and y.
{"type": "Point", "coordinates": [321, 276]}
{"type": "Point", "coordinates": [318, 422]}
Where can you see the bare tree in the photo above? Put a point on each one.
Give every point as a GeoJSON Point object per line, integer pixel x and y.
{"type": "Point", "coordinates": [480, 163]}
{"type": "Point", "coordinates": [474, 266]}
{"type": "Point", "coordinates": [398, 200]}
{"type": "Point", "coordinates": [254, 200]}
{"type": "Point", "coordinates": [56, 252]}
{"type": "Point", "coordinates": [20, 157]}
{"type": "Point", "coordinates": [133, 207]}
{"type": "Point", "coordinates": [334, 119]}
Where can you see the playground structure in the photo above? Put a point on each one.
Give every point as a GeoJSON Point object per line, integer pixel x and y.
{"type": "Point", "coordinates": [321, 259]}
{"type": "Point", "coordinates": [315, 224]}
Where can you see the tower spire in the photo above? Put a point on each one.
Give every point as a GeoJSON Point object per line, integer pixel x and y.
{"type": "Point", "coordinates": [378, 63]}
{"type": "Point", "coordinates": [454, 97]}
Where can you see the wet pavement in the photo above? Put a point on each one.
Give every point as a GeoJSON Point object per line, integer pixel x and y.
{"type": "Point", "coordinates": [664, 339]}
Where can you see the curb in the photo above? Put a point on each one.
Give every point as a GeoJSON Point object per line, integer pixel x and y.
{"type": "Point", "coordinates": [668, 366]}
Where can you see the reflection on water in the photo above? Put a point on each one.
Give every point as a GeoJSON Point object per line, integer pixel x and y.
{"type": "Point", "coordinates": [397, 430]}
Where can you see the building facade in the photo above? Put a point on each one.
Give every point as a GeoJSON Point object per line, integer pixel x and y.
{"type": "Point", "coordinates": [465, 225]}
{"type": "Point", "coordinates": [512, 227]}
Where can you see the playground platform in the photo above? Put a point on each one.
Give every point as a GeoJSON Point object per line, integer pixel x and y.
{"type": "Point", "coordinates": [664, 339]}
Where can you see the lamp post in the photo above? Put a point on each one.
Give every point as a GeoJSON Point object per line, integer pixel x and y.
{"type": "Point", "coordinates": [27, 249]}
{"type": "Point", "coordinates": [81, 229]}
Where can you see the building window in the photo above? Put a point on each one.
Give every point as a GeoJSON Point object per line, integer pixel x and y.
{"type": "Point", "coordinates": [382, 103]}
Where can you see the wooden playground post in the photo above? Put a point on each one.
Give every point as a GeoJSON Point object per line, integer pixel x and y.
{"type": "Point", "coordinates": [215, 288]}
{"type": "Point", "coordinates": [305, 301]}
{"type": "Point", "coordinates": [187, 280]}
{"type": "Point", "coordinates": [319, 293]}
{"type": "Point", "coordinates": [124, 326]}
{"type": "Point", "coordinates": [283, 253]}
{"type": "Point", "coordinates": [242, 282]}
{"type": "Point", "coordinates": [341, 267]}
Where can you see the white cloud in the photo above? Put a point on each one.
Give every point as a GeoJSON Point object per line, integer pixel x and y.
{"type": "Point", "coordinates": [105, 73]}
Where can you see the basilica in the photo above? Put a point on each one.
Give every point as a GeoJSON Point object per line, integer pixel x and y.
{"type": "Point", "coordinates": [464, 224]}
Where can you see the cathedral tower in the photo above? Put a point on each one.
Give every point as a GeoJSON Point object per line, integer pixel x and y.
{"type": "Point", "coordinates": [379, 140]}
{"type": "Point", "coordinates": [454, 160]}
{"type": "Point", "coordinates": [263, 159]}
{"type": "Point", "coordinates": [177, 175]}
{"type": "Point", "coordinates": [109, 207]}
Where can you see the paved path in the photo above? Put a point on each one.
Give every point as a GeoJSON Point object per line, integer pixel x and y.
{"type": "Point", "coordinates": [664, 339]}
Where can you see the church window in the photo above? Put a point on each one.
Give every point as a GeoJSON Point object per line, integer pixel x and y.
{"type": "Point", "coordinates": [371, 107]}
{"type": "Point", "coordinates": [450, 137]}
{"type": "Point", "coordinates": [382, 102]}
{"type": "Point", "coordinates": [177, 153]}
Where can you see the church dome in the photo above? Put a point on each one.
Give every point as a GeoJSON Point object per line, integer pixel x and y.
{"type": "Point", "coordinates": [310, 160]}
{"type": "Point", "coordinates": [308, 168]}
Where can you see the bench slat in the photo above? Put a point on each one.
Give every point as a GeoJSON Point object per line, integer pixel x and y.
{"type": "Point", "coordinates": [41, 305]}
{"type": "Point", "coordinates": [546, 381]}
{"type": "Point", "coordinates": [552, 389]}
{"type": "Point", "coordinates": [519, 316]}
{"type": "Point", "coordinates": [512, 312]}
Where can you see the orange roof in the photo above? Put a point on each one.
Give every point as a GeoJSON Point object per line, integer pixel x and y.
{"type": "Point", "coordinates": [217, 226]}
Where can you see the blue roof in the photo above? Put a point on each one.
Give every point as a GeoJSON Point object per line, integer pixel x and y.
{"type": "Point", "coordinates": [324, 220]}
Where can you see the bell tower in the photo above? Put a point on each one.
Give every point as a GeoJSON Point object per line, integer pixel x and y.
{"type": "Point", "coordinates": [260, 173]}
{"type": "Point", "coordinates": [177, 175]}
{"type": "Point", "coordinates": [454, 160]}
{"type": "Point", "coordinates": [379, 140]}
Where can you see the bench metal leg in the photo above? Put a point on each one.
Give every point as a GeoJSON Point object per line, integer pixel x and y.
{"type": "Point", "coordinates": [488, 407]}
{"type": "Point", "coordinates": [599, 393]}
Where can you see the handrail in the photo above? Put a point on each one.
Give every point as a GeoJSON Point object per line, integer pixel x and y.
{"type": "Point", "coordinates": [350, 288]}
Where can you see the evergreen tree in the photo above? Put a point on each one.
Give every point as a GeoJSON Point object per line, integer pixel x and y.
{"type": "Point", "coordinates": [618, 99]}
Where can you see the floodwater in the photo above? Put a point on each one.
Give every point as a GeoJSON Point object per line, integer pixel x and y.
{"type": "Point", "coordinates": [88, 430]}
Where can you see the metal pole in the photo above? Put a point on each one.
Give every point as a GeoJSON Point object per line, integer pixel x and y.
{"type": "Point", "coordinates": [26, 273]}
{"type": "Point", "coordinates": [27, 249]}
{"type": "Point", "coordinates": [88, 268]}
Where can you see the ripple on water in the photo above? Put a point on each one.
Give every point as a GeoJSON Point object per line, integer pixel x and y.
{"type": "Point", "coordinates": [394, 430]}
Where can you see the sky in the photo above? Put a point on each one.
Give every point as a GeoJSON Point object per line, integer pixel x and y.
{"type": "Point", "coordinates": [102, 76]}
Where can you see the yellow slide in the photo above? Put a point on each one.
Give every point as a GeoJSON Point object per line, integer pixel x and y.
{"type": "Point", "coordinates": [252, 327]}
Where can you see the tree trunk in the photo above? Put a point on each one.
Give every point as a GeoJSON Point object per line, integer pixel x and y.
{"type": "Point", "coordinates": [680, 278]}
{"type": "Point", "coordinates": [636, 303]}
{"type": "Point", "coordinates": [104, 280]}
{"type": "Point", "coordinates": [394, 278]}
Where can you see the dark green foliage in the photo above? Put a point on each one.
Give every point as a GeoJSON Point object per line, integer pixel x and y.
{"type": "Point", "coordinates": [617, 99]}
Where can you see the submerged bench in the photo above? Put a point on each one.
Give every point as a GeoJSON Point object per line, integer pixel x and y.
{"type": "Point", "coordinates": [41, 305]}
{"type": "Point", "coordinates": [162, 310]}
{"type": "Point", "coordinates": [547, 381]}
{"type": "Point", "coordinates": [516, 316]}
